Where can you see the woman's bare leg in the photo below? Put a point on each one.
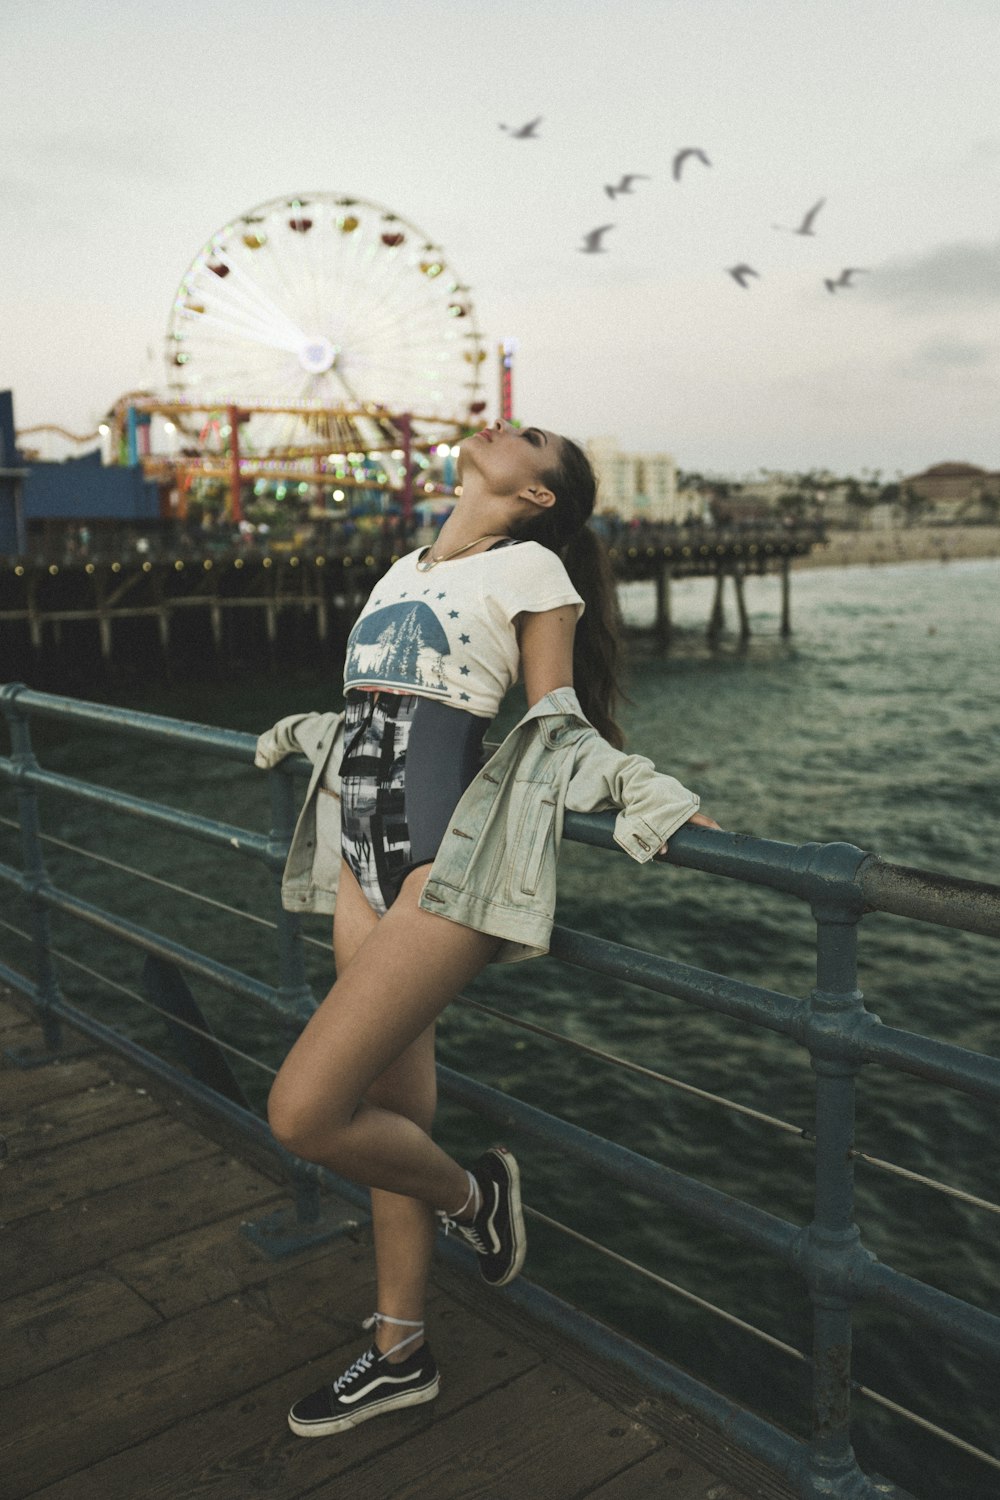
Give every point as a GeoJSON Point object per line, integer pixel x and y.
{"type": "Point", "coordinates": [403, 1228]}
{"type": "Point", "coordinates": [356, 1090]}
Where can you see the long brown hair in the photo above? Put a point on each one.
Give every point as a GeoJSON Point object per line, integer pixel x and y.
{"type": "Point", "coordinates": [563, 528]}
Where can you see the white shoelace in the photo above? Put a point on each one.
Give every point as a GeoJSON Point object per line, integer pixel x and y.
{"type": "Point", "coordinates": [451, 1221]}
{"type": "Point", "coordinates": [361, 1366]}
{"type": "Point", "coordinates": [377, 1319]}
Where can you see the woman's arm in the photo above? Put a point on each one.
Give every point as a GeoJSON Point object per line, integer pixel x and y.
{"type": "Point", "coordinates": [546, 642]}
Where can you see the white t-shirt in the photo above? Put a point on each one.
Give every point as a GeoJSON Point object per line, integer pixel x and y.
{"type": "Point", "coordinates": [449, 633]}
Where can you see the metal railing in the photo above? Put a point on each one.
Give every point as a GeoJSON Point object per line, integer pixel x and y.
{"type": "Point", "coordinates": [838, 882]}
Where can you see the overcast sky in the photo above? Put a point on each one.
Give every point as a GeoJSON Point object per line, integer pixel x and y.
{"type": "Point", "coordinates": [131, 132]}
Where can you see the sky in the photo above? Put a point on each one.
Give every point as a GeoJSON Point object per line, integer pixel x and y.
{"type": "Point", "coordinates": [131, 132]}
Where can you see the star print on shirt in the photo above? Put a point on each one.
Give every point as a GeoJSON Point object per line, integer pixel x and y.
{"type": "Point", "coordinates": [453, 614]}
{"type": "Point", "coordinates": [440, 596]}
{"type": "Point", "coordinates": [464, 698]}
{"type": "Point", "coordinates": [465, 639]}
{"type": "Point", "coordinates": [464, 671]}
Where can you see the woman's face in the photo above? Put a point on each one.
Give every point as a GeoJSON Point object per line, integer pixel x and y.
{"type": "Point", "coordinates": [509, 459]}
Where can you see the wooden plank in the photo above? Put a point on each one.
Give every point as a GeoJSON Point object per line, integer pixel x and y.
{"type": "Point", "coordinates": [206, 1263]}
{"type": "Point", "coordinates": [22, 1088]}
{"type": "Point", "coordinates": [664, 1415]}
{"type": "Point", "coordinates": [67, 1419]}
{"type": "Point", "coordinates": [51, 1124]}
{"type": "Point", "coordinates": [81, 1235]}
{"type": "Point", "coordinates": [545, 1436]}
{"type": "Point", "coordinates": [48, 1327]}
{"type": "Point", "coordinates": [669, 1473]}
{"type": "Point", "coordinates": [244, 1447]}
{"type": "Point", "coordinates": [49, 1180]}
{"type": "Point", "coordinates": [13, 1012]}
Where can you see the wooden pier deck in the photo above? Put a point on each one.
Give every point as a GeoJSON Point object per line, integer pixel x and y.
{"type": "Point", "coordinates": [149, 1351]}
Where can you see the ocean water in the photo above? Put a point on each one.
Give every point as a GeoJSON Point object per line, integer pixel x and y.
{"type": "Point", "coordinates": [875, 723]}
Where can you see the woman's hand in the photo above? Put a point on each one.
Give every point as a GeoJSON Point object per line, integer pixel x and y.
{"type": "Point", "coordinates": [700, 820]}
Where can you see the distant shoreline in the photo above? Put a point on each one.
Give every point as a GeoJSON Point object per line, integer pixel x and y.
{"type": "Point", "coordinates": [905, 544]}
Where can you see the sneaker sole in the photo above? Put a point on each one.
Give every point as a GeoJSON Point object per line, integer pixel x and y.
{"type": "Point", "coordinates": [375, 1409]}
{"type": "Point", "coordinates": [516, 1219]}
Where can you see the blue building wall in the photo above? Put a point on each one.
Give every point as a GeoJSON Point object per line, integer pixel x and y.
{"type": "Point", "coordinates": [83, 489]}
{"type": "Point", "coordinates": [80, 489]}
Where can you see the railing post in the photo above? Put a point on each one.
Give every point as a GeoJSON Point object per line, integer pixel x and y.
{"type": "Point", "coordinates": [294, 992]}
{"type": "Point", "coordinates": [46, 983]}
{"type": "Point", "coordinates": [832, 1242]}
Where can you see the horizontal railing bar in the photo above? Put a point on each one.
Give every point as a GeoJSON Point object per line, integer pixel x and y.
{"type": "Point", "coordinates": [926, 896]}
{"type": "Point", "coordinates": [628, 1066]}
{"type": "Point", "coordinates": [244, 1119]}
{"type": "Point", "coordinates": [805, 870]}
{"type": "Point", "coordinates": [15, 980]}
{"type": "Point", "coordinates": [738, 1427]}
{"type": "Point", "coordinates": [663, 1184]}
{"type": "Point", "coordinates": [231, 743]}
{"type": "Point", "coordinates": [222, 835]}
{"type": "Point", "coordinates": [758, 1333]}
{"type": "Point", "coordinates": [810, 871]}
{"type": "Point", "coordinates": [167, 885]}
{"type": "Point", "coordinates": [169, 1015]}
{"type": "Point", "coordinates": [878, 1163]}
{"type": "Point", "coordinates": [938, 1310]}
{"type": "Point", "coordinates": [669, 1286]}
{"type": "Point", "coordinates": [229, 979]}
{"type": "Point", "coordinates": [974, 1328]}
{"type": "Point", "coordinates": [665, 976]}
{"type": "Point", "coordinates": [973, 1073]}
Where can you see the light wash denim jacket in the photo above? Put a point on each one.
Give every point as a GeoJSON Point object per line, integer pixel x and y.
{"type": "Point", "coordinates": [496, 867]}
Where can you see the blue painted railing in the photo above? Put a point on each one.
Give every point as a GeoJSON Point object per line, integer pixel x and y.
{"type": "Point", "coordinates": [839, 883]}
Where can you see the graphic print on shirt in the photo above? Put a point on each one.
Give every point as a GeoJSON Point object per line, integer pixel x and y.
{"type": "Point", "coordinates": [401, 645]}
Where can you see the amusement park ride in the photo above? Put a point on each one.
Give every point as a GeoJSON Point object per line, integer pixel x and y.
{"type": "Point", "coordinates": [319, 344]}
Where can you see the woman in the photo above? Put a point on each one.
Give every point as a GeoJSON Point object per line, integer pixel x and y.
{"type": "Point", "coordinates": [515, 582]}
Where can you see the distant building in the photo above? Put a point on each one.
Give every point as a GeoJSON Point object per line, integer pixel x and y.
{"type": "Point", "coordinates": [80, 490]}
{"type": "Point", "coordinates": [636, 486]}
{"type": "Point", "coordinates": [955, 491]}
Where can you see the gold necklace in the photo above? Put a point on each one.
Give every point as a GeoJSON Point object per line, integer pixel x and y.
{"type": "Point", "coordinates": [430, 561]}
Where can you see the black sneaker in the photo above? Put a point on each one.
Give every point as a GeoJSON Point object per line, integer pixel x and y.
{"type": "Point", "coordinates": [370, 1387]}
{"type": "Point", "coordinates": [497, 1232]}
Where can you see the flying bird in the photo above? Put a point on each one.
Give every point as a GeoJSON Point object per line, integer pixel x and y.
{"type": "Point", "coordinates": [524, 132]}
{"type": "Point", "coordinates": [592, 241]}
{"type": "Point", "coordinates": [844, 279]}
{"type": "Point", "coordinates": [682, 157]}
{"type": "Point", "coordinates": [625, 186]}
{"type": "Point", "coordinates": [741, 272]}
{"type": "Point", "coordinates": [806, 227]}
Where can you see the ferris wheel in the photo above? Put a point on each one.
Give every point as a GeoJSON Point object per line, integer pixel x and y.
{"type": "Point", "coordinates": [319, 305]}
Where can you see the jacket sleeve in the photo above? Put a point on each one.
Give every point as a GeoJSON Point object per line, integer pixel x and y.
{"type": "Point", "coordinates": [297, 734]}
{"type": "Point", "coordinates": [651, 805]}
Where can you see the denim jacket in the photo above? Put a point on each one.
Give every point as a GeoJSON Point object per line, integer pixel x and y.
{"type": "Point", "coordinates": [496, 868]}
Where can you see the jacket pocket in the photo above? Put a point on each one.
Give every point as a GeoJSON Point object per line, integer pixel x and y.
{"type": "Point", "coordinates": [541, 815]}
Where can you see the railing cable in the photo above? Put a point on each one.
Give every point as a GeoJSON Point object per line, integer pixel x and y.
{"type": "Point", "coordinates": [123, 989]}
{"type": "Point", "coordinates": [634, 1067]}
{"type": "Point", "coordinates": [940, 1187]}
{"type": "Point", "coordinates": [879, 1163]}
{"type": "Point", "coordinates": [758, 1333]}
{"type": "Point", "coordinates": [167, 885]}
